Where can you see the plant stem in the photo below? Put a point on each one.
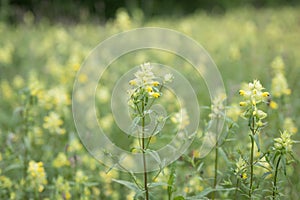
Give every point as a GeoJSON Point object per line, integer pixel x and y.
{"type": "Point", "coordinates": [275, 178]}
{"type": "Point", "coordinates": [216, 159]}
{"type": "Point", "coordinates": [237, 186]}
{"type": "Point", "coordinates": [216, 168]}
{"type": "Point", "coordinates": [253, 132]}
{"type": "Point", "coordinates": [251, 166]}
{"type": "Point", "coordinates": [144, 157]}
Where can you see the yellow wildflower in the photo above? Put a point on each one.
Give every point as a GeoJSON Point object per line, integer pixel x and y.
{"type": "Point", "coordinates": [289, 125]}
{"type": "Point", "coordinates": [130, 196]}
{"type": "Point", "coordinates": [133, 82]}
{"type": "Point", "coordinates": [242, 92]}
{"type": "Point", "coordinates": [153, 140]}
{"type": "Point", "coordinates": [240, 166]}
{"type": "Point", "coordinates": [253, 95]}
{"type": "Point", "coordinates": [68, 195]}
{"type": "Point", "coordinates": [273, 105]}
{"type": "Point", "coordinates": [284, 143]}
{"type": "Point", "coordinates": [244, 176]}
{"type": "Point", "coordinates": [265, 94]}
{"type": "Point", "coordinates": [37, 175]}
{"type": "Point", "coordinates": [149, 89]}
{"type": "Point", "coordinates": [181, 119]}
{"type": "Point", "coordinates": [243, 103]}
{"type": "Point", "coordinates": [75, 145]}
{"type": "Point", "coordinates": [76, 67]}
{"type": "Point", "coordinates": [155, 95]}
{"type": "Point", "coordinates": [196, 154]}
{"type": "Point", "coordinates": [278, 65]}
{"type": "Point", "coordinates": [60, 161]}
{"type": "Point", "coordinates": [80, 177]}
{"type": "Point", "coordinates": [82, 78]}
{"type": "Point", "coordinates": [96, 191]}
{"type": "Point", "coordinates": [52, 122]}
{"type": "Point", "coordinates": [155, 83]}
{"type": "Point", "coordinates": [5, 182]}
{"type": "Point", "coordinates": [186, 189]}
{"type": "Point", "coordinates": [217, 107]}
{"type": "Point", "coordinates": [233, 112]}
{"type": "Point", "coordinates": [280, 86]}
{"type": "Point", "coordinates": [63, 188]}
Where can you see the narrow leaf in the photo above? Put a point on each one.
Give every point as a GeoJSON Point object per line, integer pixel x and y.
{"type": "Point", "coordinates": [128, 184]}
{"type": "Point", "coordinates": [256, 139]}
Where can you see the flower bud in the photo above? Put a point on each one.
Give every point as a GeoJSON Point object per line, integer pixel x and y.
{"type": "Point", "coordinates": [265, 94]}
{"type": "Point", "coordinates": [243, 103]}
{"type": "Point", "coordinates": [242, 92]}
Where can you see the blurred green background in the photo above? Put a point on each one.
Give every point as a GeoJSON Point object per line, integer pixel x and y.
{"type": "Point", "coordinates": [102, 10]}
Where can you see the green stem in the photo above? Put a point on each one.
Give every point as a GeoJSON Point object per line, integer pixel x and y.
{"type": "Point", "coordinates": [237, 186]}
{"type": "Point", "coordinates": [275, 178]}
{"type": "Point", "coordinates": [144, 157]}
{"type": "Point", "coordinates": [253, 131]}
{"type": "Point", "coordinates": [216, 169]}
{"type": "Point", "coordinates": [251, 166]}
{"type": "Point", "coordinates": [216, 159]}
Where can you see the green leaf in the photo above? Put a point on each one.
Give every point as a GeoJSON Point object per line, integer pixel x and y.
{"type": "Point", "coordinates": [206, 191]}
{"type": "Point", "coordinates": [128, 184]}
{"type": "Point", "coordinates": [13, 166]}
{"type": "Point", "coordinates": [179, 198]}
{"type": "Point", "coordinates": [91, 184]}
{"type": "Point", "coordinates": [265, 175]}
{"type": "Point", "coordinates": [135, 123]}
{"type": "Point", "coordinates": [171, 182]}
{"type": "Point", "coordinates": [156, 184]}
{"type": "Point", "coordinates": [202, 194]}
{"type": "Point", "coordinates": [199, 168]}
{"type": "Point", "coordinates": [154, 155]}
{"type": "Point", "coordinates": [256, 140]}
{"type": "Point", "coordinates": [223, 154]}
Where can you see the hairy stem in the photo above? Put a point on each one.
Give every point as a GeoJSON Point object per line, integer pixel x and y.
{"type": "Point", "coordinates": [275, 178]}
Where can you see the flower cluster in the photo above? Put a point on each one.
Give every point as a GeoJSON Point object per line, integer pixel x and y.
{"type": "Point", "coordinates": [5, 182]}
{"type": "Point", "coordinates": [217, 107]}
{"type": "Point", "coordinates": [107, 185]}
{"type": "Point", "coordinates": [63, 188]}
{"type": "Point", "coordinates": [146, 84]}
{"type": "Point", "coordinates": [53, 123]}
{"type": "Point", "coordinates": [289, 125]}
{"type": "Point", "coordinates": [181, 119]}
{"type": "Point", "coordinates": [284, 144]}
{"type": "Point", "coordinates": [37, 175]}
{"type": "Point", "coordinates": [193, 185]}
{"type": "Point", "coordinates": [60, 161]}
{"type": "Point", "coordinates": [279, 82]}
{"type": "Point", "coordinates": [233, 112]}
{"type": "Point", "coordinates": [80, 177]}
{"type": "Point", "coordinates": [253, 95]}
{"type": "Point", "coordinates": [241, 168]}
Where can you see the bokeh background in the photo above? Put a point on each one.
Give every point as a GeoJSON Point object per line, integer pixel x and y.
{"type": "Point", "coordinates": [43, 43]}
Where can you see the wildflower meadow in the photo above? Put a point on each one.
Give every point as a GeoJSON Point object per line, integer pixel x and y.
{"type": "Point", "coordinates": [251, 127]}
